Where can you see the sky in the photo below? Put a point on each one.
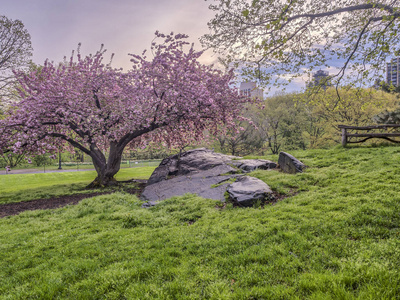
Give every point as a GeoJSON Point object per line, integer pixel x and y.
{"type": "Point", "coordinates": [123, 26]}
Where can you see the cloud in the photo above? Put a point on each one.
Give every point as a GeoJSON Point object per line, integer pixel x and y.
{"type": "Point", "coordinates": [123, 26]}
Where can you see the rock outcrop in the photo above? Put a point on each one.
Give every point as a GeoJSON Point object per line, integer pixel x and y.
{"type": "Point", "coordinates": [289, 164]}
{"type": "Point", "coordinates": [207, 174]}
{"type": "Point", "coordinates": [246, 190]}
{"type": "Point", "coordinates": [249, 165]}
{"type": "Point", "coordinates": [190, 162]}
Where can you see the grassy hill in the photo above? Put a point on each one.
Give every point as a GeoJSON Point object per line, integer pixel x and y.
{"type": "Point", "coordinates": [336, 236]}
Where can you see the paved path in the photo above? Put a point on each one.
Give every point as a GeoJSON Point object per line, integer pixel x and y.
{"type": "Point", "coordinates": [36, 171]}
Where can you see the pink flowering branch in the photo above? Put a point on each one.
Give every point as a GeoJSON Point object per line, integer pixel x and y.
{"type": "Point", "coordinates": [85, 104]}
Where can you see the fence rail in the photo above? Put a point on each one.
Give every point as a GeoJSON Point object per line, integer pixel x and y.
{"type": "Point", "coordinates": [351, 135]}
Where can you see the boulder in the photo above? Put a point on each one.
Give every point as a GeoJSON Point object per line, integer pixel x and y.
{"type": "Point", "coordinates": [207, 184]}
{"type": "Point", "coordinates": [246, 190]}
{"type": "Point", "coordinates": [249, 165]}
{"type": "Point", "coordinates": [200, 171]}
{"type": "Point", "coordinates": [149, 204]}
{"type": "Point", "coordinates": [289, 164]}
{"type": "Point", "coordinates": [192, 161]}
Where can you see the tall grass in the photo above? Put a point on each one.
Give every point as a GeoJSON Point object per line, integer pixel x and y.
{"type": "Point", "coordinates": [337, 238]}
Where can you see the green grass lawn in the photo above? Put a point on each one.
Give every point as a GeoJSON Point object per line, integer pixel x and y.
{"type": "Point", "coordinates": [15, 188]}
{"type": "Point", "coordinates": [337, 238]}
{"type": "Point", "coordinates": [86, 165]}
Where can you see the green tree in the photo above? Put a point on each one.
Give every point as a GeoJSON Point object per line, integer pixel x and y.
{"type": "Point", "coordinates": [282, 119]}
{"type": "Point", "coordinates": [42, 160]}
{"type": "Point", "coordinates": [357, 107]}
{"type": "Point", "coordinates": [271, 38]}
{"type": "Point", "coordinates": [9, 159]}
{"type": "Point", "coordinates": [389, 115]}
{"type": "Point", "coordinates": [245, 139]}
{"type": "Point", "coordinates": [15, 52]}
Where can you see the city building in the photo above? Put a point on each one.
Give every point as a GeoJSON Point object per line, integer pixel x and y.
{"type": "Point", "coordinates": [320, 78]}
{"type": "Point", "coordinates": [392, 72]}
{"type": "Point", "coordinates": [250, 89]}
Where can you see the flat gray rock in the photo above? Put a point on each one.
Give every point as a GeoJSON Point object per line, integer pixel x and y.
{"type": "Point", "coordinates": [190, 162]}
{"type": "Point", "coordinates": [199, 183]}
{"type": "Point", "coordinates": [200, 171]}
{"type": "Point", "coordinates": [149, 204]}
{"type": "Point", "coordinates": [249, 165]}
{"type": "Point", "coordinates": [246, 190]}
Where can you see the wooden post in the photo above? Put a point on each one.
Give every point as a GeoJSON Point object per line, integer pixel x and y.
{"type": "Point", "coordinates": [344, 137]}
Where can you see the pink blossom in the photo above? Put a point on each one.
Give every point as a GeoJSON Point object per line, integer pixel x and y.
{"type": "Point", "coordinates": [85, 104]}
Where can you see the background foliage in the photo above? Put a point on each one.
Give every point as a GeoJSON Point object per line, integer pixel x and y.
{"type": "Point", "coordinates": [307, 120]}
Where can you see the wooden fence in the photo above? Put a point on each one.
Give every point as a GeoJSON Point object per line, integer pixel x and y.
{"type": "Point", "coordinates": [355, 134]}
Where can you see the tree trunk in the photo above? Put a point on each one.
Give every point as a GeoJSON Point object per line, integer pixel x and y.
{"type": "Point", "coordinates": [106, 169]}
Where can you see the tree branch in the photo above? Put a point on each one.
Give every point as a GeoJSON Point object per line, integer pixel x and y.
{"type": "Point", "coordinates": [71, 141]}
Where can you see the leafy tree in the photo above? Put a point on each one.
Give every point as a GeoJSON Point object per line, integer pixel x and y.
{"type": "Point", "coordinates": [152, 151]}
{"type": "Point", "coordinates": [11, 159]}
{"type": "Point", "coordinates": [389, 116]}
{"type": "Point", "coordinates": [316, 127]}
{"type": "Point", "coordinates": [278, 125]}
{"type": "Point", "coordinates": [273, 37]}
{"type": "Point", "coordinates": [42, 160]}
{"type": "Point", "coordinates": [88, 105]}
{"type": "Point", "coordinates": [241, 140]}
{"type": "Point", "coordinates": [15, 50]}
{"type": "Point", "coordinates": [389, 88]}
{"type": "Point", "coordinates": [357, 108]}
{"type": "Point", "coordinates": [285, 122]}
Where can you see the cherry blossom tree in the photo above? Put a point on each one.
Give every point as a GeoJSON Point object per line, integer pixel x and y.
{"type": "Point", "coordinates": [85, 104]}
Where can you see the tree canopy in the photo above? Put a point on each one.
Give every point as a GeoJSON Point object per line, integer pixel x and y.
{"type": "Point", "coordinates": [271, 38]}
{"type": "Point", "coordinates": [88, 105]}
{"type": "Point", "coordinates": [15, 50]}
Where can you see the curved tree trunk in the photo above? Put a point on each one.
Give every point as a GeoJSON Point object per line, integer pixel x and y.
{"type": "Point", "coordinates": [106, 169]}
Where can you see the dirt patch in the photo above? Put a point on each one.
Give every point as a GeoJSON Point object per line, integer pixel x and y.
{"type": "Point", "coordinates": [10, 209]}
{"type": "Point", "coordinates": [51, 203]}
{"type": "Point", "coordinates": [279, 197]}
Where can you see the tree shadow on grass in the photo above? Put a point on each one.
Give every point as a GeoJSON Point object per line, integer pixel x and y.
{"type": "Point", "coordinates": [60, 195]}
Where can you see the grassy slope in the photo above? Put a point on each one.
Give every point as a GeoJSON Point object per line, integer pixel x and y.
{"type": "Point", "coordinates": [15, 188]}
{"type": "Point", "coordinates": [338, 238]}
